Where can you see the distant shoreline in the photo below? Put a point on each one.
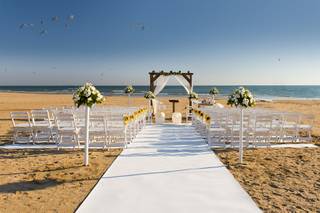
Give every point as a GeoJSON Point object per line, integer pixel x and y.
{"type": "Point", "coordinates": [263, 99]}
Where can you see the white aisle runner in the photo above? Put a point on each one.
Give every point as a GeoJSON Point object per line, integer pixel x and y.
{"type": "Point", "coordinates": [168, 168]}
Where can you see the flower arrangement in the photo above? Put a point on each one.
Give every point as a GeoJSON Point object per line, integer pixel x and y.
{"type": "Point", "coordinates": [207, 119]}
{"type": "Point", "coordinates": [149, 95]}
{"type": "Point", "coordinates": [129, 90]}
{"type": "Point", "coordinates": [193, 95]}
{"type": "Point", "coordinates": [87, 95]}
{"type": "Point", "coordinates": [214, 91]}
{"type": "Point", "coordinates": [127, 119]}
{"type": "Point", "coordinates": [241, 97]}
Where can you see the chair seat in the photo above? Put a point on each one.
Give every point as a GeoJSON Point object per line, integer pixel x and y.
{"type": "Point", "coordinates": [305, 126]}
{"type": "Point", "coordinates": [22, 126]}
{"type": "Point", "coordinates": [41, 126]}
{"type": "Point", "coordinates": [66, 130]}
{"type": "Point", "coordinates": [217, 129]}
{"type": "Point", "coordinates": [262, 129]}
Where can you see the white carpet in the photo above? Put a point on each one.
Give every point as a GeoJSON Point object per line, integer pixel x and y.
{"type": "Point", "coordinates": [168, 168]}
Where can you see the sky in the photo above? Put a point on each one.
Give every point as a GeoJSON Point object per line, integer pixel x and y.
{"type": "Point", "coordinates": [223, 42]}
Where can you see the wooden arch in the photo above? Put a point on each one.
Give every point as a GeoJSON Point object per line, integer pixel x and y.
{"type": "Point", "coordinates": [155, 75]}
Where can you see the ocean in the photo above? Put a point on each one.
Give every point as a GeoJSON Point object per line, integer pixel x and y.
{"type": "Point", "coordinates": [260, 92]}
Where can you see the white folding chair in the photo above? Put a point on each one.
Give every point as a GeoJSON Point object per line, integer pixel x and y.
{"type": "Point", "coordinates": [22, 127]}
{"type": "Point", "coordinates": [67, 129]}
{"type": "Point", "coordinates": [41, 125]}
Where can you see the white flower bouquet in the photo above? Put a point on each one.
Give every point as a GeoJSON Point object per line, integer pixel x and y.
{"type": "Point", "coordinates": [129, 90]}
{"type": "Point", "coordinates": [214, 91]}
{"type": "Point", "coordinates": [87, 95]}
{"type": "Point", "coordinates": [149, 95]}
{"type": "Point", "coordinates": [241, 97]}
{"type": "Point", "coordinates": [193, 95]}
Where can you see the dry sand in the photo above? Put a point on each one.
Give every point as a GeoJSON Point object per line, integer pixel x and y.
{"type": "Point", "coordinates": [48, 180]}
{"type": "Point", "coordinates": [55, 181]}
{"type": "Point", "coordinates": [279, 180]}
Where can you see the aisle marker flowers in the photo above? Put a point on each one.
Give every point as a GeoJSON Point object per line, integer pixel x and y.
{"type": "Point", "coordinates": [241, 97]}
{"type": "Point", "coordinates": [129, 90]}
{"type": "Point", "coordinates": [87, 95]}
{"type": "Point", "coordinates": [214, 91]}
{"type": "Point", "coordinates": [193, 95]}
{"type": "Point", "coordinates": [149, 95]}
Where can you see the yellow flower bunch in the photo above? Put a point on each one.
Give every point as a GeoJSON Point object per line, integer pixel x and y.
{"type": "Point", "coordinates": [126, 120]}
{"type": "Point", "coordinates": [207, 119]}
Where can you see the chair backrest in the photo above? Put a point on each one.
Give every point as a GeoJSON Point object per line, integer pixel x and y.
{"type": "Point", "coordinates": [40, 116]}
{"type": "Point", "coordinates": [263, 120]}
{"type": "Point", "coordinates": [20, 118]}
{"type": "Point", "coordinates": [98, 121]}
{"type": "Point", "coordinates": [291, 118]}
{"type": "Point", "coordinates": [65, 120]}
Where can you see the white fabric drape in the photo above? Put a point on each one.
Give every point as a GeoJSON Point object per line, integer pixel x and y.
{"type": "Point", "coordinates": [160, 83]}
{"type": "Point", "coordinates": [154, 106]}
{"type": "Point", "coordinates": [184, 83]}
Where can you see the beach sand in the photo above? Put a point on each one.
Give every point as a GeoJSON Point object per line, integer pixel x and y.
{"type": "Point", "coordinates": [49, 179]}
{"type": "Point", "coordinates": [279, 180]}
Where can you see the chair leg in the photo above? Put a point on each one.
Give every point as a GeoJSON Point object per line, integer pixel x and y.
{"type": "Point", "coordinates": [77, 140]}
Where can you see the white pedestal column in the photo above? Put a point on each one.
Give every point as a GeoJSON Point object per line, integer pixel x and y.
{"type": "Point", "coordinates": [241, 136]}
{"type": "Point", "coordinates": [86, 148]}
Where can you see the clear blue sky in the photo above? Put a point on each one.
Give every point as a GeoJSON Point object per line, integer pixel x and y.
{"type": "Point", "coordinates": [119, 42]}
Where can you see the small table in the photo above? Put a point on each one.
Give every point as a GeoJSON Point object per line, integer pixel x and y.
{"type": "Point", "coordinates": [173, 101]}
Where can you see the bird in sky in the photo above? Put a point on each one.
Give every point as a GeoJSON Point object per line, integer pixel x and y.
{"type": "Point", "coordinates": [43, 32]}
{"type": "Point", "coordinates": [55, 18]}
{"type": "Point", "coordinates": [43, 28]}
{"type": "Point", "coordinates": [140, 26]}
{"type": "Point", "coordinates": [71, 17]}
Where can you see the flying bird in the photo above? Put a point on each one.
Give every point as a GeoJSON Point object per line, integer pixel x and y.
{"type": "Point", "coordinates": [55, 18]}
{"type": "Point", "coordinates": [43, 32]}
{"type": "Point", "coordinates": [71, 17]}
{"type": "Point", "coordinates": [140, 26]}
{"type": "Point", "coordinates": [22, 26]}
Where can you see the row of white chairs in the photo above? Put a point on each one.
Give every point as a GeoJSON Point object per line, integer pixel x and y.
{"type": "Point", "coordinates": [66, 126]}
{"type": "Point", "coordinates": [260, 127]}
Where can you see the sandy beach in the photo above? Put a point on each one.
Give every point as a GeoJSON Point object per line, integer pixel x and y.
{"type": "Point", "coordinates": [43, 179]}
{"type": "Point", "coordinates": [279, 180]}
{"type": "Point", "coordinates": [48, 180]}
